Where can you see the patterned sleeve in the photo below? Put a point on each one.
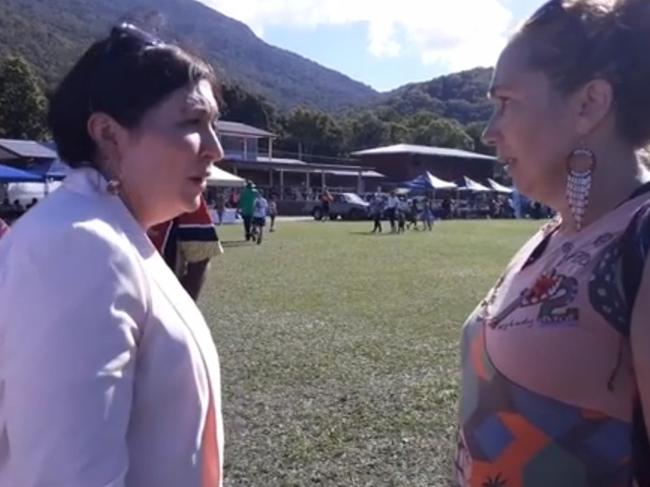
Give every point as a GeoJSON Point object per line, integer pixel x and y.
{"type": "Point", "coordinates": [197, 235]}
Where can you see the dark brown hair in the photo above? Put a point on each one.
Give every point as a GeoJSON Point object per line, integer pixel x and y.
{"type": "Point", "coordinates": [576, 41]}
{"type": "Point", "coordinates": [124, 76]}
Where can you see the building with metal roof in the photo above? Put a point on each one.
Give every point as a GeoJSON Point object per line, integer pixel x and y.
{"type": "Point", "coordinates": [228, 128]}
{"type": "Point", "coordinates": [13, 150]}
{"type": "Point", "coordinates": [279, 173]}
{"type": "Point", "coordinates": [423, 150]}
{"type": "Point", "coordinates": [404, 162]}
{"type": "Point", "coordinates": [241, 144]}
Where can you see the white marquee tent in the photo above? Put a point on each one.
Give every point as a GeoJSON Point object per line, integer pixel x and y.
{"type": "Point", "coordinates": [499, 188]}
{"type": "Point", "coordinates": [219, 177]}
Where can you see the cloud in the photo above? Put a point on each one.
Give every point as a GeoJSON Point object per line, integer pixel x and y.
{"type": "Point", "coordinates": [455, 33]}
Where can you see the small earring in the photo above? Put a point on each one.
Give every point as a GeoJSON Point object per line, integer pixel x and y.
{"type": "Point", "coordinates": [113, 187]}
{"type": "Point", "coordinates": [113, 175]}
{"type": "Point", "coordinates": [580, 168]}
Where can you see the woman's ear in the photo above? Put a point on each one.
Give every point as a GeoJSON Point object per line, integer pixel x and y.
{"type": "Point", "coordinates": [109, 136]}
{"type": "Point", "coordinates": [595, 102]}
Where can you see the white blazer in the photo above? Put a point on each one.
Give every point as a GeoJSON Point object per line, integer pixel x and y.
{"type": "Point", "coordinates": [107, 368]}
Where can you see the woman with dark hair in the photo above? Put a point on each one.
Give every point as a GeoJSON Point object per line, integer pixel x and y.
{"type": "Point", "coordinates": [555, 360]}
{"type": "Point", "coordinates": [108, 372]}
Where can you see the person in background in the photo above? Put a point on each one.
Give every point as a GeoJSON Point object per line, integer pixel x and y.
{"type": "Point", "coordinates": [446, 208]}
{"type": "Point", "coordinates": [555, 360]}
{"type": "Point", "coordinates": [391, 210]}
{"type": "Point", "coordinates": [326, 200]}
{"type": "Point", "coordinates": [246, 208]}
{"type": "Point", "coordinates": [18, 207]}
{"type": "Point", "coordinates": [260, 211]}
{"type": "Point", "coordinates": [273, 211]}
{"type": "Point", "coordinates": [521, 204]}
{"type": "Point", "coordinates": [427, 214]}
{"type": "Point", "coordinates": [401, 213]}
{"type": "Point", "coordinates": [493, 206]}
{"type": "Point", "coordinates": [188, 243]}
{"type": "Point", "coordinates": [109, 373]}
{"type": "Point", "coordinates": [220, 206]}
{"type": "Point", "coordinates": [376, 210]}
{"type": "Point", "coordinates": [233, 199]}
{"type": "Point", "coordinates": [413, 213]}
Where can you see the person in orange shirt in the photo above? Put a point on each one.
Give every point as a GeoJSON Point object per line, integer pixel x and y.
{"type": "Point", "coordinates": [187, 243]}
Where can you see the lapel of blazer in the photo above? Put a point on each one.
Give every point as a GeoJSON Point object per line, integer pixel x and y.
{"type": "Point", "coordinates": [90, 183]}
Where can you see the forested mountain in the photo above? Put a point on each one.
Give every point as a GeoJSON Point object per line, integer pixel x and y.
{"type": "Point", "coordinates": [50, 34]}
{"type": "Point", "coordinates": [313, 109]}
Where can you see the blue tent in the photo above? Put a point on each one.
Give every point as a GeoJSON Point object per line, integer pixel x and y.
{"type": "Point", "coordinates": [50, 169]}
{"type": "Point", "coordinates": [428, 181]}
{"type": "Point", "coordinates": [58, 170]}
{"type": "Point", "coordinates": [12, 175]}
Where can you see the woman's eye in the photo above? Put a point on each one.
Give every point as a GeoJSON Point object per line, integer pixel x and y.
{"type": "Point", "coordinates": [501, 104]}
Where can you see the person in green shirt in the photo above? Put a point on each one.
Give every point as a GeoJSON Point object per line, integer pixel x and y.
{"type": "Point", "coordinates": [247, 206]}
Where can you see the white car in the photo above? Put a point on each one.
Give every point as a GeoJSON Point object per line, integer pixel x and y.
{"type": "Point", "coordinates": [349, 206]}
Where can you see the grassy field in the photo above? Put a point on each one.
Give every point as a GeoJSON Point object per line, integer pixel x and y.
{"type": "Point", "coordinates": [339, 348]}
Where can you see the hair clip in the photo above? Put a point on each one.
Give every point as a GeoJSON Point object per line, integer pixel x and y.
{"type": "Point", "coordinates": [128, 30]}
{"type": "Point", "coordinates": [547, 12]}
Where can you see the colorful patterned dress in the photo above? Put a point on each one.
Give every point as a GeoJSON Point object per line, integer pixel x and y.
{"type": "Point", "coordinates": [549, 396]}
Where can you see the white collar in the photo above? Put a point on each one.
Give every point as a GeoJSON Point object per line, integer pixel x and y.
{"type": "Point", "coordinates": [86, 180]}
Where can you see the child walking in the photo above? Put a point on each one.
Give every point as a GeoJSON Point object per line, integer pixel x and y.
{"type": "Point", "coordinates": [260, 210]}
{"type": "Point", "coordinates": [273, 211]}
{"type": "Point", "coordinates": [427, 214]}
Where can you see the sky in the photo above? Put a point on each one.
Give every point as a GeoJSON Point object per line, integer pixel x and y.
{"type": "Point", "coordinates": [385, 43]}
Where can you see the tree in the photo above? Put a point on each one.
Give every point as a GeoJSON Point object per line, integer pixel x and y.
{"type": "Point", "coordinates": [475, 131]}
{"type": "Point", "coordinates": [242, 106]}
{"type": "Point", "coordinates": [398, 133]}
{"type": "Point", "coordinates": [421, 120]}
{"type": "Point", "coordinates": [22, 102]}
{"type": "Point", "coordinates": [313, 132]}
{"type": "Point", "coordinates": [387, 113]}
{"type": "Point", "coordinates": [467, 112]}
{"type": "Point", "coordinates": [444, 133]}
{"type": "Point", "coordinates": [366, 131]}
{"type": "Point", "coordinates": [412, 99]}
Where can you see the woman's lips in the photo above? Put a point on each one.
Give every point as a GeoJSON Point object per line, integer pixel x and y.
{"type": "Point", "coordinates": [199, 180]}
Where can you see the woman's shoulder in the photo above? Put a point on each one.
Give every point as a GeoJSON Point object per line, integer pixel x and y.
{"type": "Point", "coordinates": [79, 233]}
{"type": "Point", "coordinates": [61, 213]}
{"type": "Point", "coordinates": [78, 260]}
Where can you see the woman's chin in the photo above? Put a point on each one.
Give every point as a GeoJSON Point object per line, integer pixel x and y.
{"type": "Point", "coordinates": [191, 203]}
{"type": "Point", "coordinates": [523, 185]}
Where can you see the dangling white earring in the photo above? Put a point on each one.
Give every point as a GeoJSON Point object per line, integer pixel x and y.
{"type": "Point", "coordinates": [113, 187]}
{"type": "Point", "coordinates": [113, 174]}
{"type": "Point", "coordinates": [580, 168]}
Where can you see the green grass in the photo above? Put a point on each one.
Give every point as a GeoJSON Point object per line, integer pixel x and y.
{"type": "Point", "coordinates": [339, 349]}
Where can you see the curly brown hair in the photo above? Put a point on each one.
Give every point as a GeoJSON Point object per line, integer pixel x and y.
{"type": "Point", "coordinates": [576, 41]}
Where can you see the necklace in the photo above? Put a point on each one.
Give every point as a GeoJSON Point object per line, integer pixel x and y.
{"type": "Point", "coordinates": [547, 283]}
{"type": "Point", "coordinates": [543, 287]}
